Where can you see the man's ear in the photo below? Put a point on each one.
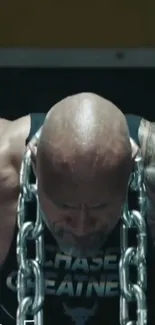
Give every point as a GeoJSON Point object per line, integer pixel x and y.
{"type": "Point", "coordinates": [134, 148]}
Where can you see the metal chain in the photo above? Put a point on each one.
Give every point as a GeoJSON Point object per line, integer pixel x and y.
{"type": "Point", "coordinates": [29, 303]}
{"type": "Point", "coordinates": [134, 256]}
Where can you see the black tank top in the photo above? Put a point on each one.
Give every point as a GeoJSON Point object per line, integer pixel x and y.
{"type": "Point", "coordinates": [77, 291]}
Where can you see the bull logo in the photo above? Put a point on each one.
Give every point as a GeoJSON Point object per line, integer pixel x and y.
{"type": "Point", "coordinates": [79, 315]}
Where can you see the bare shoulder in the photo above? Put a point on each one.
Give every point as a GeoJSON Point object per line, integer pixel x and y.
{"type": "Point", "coordinates": [13, 135]}
{"type": "Point", "coordinates": [146, 135]}
{"type": "Point", "coordinates": [147, 145]}
{"type": "Point", "coordinates": [12, 146]}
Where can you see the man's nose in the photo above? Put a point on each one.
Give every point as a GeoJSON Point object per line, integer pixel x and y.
{"type": "Point", "coordinates": [84, 223]}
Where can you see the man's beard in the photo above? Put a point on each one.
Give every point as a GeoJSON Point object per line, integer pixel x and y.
{"type": "Point", "coordinates": [69, 244]}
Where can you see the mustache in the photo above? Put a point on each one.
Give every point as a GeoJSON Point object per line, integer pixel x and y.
{"type": "Point", "coordinates": [72, 245]}
{"type": "Point", "coordinates": [86, 246]}
{"type": "Point", "coordinates": [61, 232]}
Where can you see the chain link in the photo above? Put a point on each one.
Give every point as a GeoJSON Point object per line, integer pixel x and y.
{"type": "Point", "coordinates": [134, 256]}
{"type": "Point", "coordinates": [29, 303]}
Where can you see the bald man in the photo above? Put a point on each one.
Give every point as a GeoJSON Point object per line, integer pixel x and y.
{"type": "Point", "coordinates": [82, 164]}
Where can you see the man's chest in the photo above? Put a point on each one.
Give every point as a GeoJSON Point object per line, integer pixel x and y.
{"type": "Point", "coordinates": [76, 289]}
{"type": "Point", "coordinates": [82, 277]}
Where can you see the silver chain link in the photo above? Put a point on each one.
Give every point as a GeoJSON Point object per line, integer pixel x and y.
{"type": "Point", "coordinates": [29, 303]}
{"type": "Point", "coordinates": [131, 292]}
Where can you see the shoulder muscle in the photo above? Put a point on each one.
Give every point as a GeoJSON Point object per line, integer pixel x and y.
{"type": "Point", "coordinates": [13, 135]}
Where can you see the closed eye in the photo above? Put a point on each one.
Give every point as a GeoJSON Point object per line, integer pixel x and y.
{"type": "Point", "coordinates": [63, 206]}
{"type": "Point", "coordinates": [100, 206]}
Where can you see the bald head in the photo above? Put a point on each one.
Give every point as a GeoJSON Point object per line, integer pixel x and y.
{"type": "Point", "coordinates": [83, 165]}
{"type": "Point", "coordinates": [83, 136]}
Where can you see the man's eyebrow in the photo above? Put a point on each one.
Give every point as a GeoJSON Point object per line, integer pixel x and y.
{"type": "Point", "coordinates": [95, 206]}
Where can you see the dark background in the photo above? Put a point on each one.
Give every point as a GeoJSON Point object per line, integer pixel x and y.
{"type": "Point", "coordinates": [35, 90]}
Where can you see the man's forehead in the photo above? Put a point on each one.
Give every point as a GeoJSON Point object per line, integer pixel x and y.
{"type": "Point", "coordinates": [69, 192]}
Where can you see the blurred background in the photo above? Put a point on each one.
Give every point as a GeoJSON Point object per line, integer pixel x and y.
{"type": "Point", "coordinates": [49, 50]}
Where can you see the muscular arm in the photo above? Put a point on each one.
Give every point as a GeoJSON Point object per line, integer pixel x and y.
{"type": "Point", "coordinates": [147, 145]}
{"type": "Point", "coordinates": [13, 135]}
{"type": "Point", "coordinates": [12, 146]}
